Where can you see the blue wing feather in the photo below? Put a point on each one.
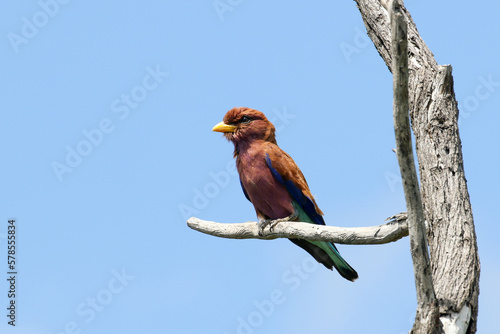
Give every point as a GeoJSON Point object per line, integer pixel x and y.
{"type": "Point", "coordinates": [305, 202]}
{"type": "Point", "coordinates": [323, 252]}
{"type": "Point", "coordinates": [245, 192]}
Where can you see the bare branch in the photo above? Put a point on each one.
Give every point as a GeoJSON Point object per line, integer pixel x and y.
{"type": "Point", "coordinates": [394, 230]}
{"type": "Point", "coordinates": [427, 310]}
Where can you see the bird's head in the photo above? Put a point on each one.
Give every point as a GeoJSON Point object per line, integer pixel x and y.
{"type": "Point", "coordinates": [243, 125]}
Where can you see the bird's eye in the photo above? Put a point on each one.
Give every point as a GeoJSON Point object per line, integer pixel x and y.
{"type": "Point", "coordinates": [246, 119]}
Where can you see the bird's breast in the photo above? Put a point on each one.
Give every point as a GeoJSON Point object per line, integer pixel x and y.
{"type": "Point", "coordinates": [268, 196]}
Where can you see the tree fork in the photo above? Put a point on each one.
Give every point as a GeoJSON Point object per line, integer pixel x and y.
{"type": "Point", "coordinates": [434, 114]}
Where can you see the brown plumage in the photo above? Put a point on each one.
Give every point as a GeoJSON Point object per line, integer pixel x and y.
{"type": "Point", "coordinates": [273, 182]}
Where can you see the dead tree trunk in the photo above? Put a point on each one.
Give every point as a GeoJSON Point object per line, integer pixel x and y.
{"type": "Point", "coordinates": [427, 315]}
{"type": "Point", "coordinates": [434, 115]}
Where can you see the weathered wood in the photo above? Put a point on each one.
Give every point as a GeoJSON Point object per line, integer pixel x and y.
{"type": "Point", "coordinates": [434, 115]}
{"type": "Point", "coordinates": [427, 315]}
{"type": "Point", "coordinates": [381, 234]}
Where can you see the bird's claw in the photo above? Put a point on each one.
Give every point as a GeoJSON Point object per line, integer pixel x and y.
{"type": "Point", "coordinates": [273, 222]}
{"type": "Point", "coordinates": [262, 225]}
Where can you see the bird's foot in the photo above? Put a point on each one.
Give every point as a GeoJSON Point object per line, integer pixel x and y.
{"type": "Point", "coordinates": [273, 222]}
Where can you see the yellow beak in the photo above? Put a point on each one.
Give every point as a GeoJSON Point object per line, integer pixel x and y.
{"type": "Point", "coordinates": [223, 127]}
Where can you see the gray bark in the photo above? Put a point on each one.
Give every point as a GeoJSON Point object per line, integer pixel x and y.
{"type": "Point", "coordinates": [434, 115]}
{"type": "Point", "coordinates": [394, 230]}
{"type": "Point", "coordinates": [427, 315]}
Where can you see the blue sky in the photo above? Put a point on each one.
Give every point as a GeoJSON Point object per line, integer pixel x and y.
{"type": "Point", "coordinates": [107, 150]}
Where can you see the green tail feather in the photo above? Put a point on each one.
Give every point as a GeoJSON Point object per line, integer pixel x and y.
{"type": "Point", "coordinates": [344, 269]}
{"type": "Point", "coordinates": [327, 254]}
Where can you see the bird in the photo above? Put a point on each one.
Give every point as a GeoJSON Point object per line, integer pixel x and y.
{"type": "Point", "coordinates": [274, 184]}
